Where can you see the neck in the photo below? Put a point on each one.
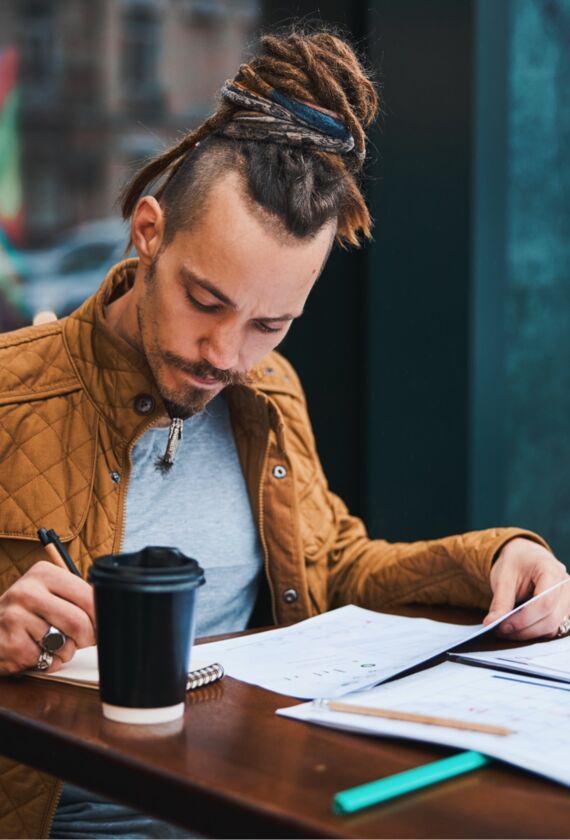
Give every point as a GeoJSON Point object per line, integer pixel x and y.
{"type": "Point", "coordinates": [121, 316]}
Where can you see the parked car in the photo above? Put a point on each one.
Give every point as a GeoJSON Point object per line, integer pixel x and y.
{"type": "Point", "coordinates": [59, 279]}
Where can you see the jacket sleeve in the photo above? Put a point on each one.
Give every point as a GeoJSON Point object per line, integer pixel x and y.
{"type": "Point", "coordinates": [344, 566]}
{"type": "Point", "coordinates": [379, 575]}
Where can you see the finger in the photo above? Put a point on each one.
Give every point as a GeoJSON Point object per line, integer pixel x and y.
{"type": "Point", "coordinates": [550, 604]}
{"type": "Point", "coordinates": [70, 619]}
{"type": "Point", "coordinates": [18, 620]}
{"type": "Point", "coordinates": [504, 597]}
{"type": "Point", "coordinates": [32, 596]}
{"type": "Point", "coordinates": [63, 584]}
{"type": "Point", "coordinates": [67, 617]}
{"type": "Point", "coordinates": [546, 628]}
{"type": "Point", "coordinates": [57, 663]}
{"type": "Point", "coordinates": [18, 632]}
{"type": "Point", "coordinates": [531, 615]}
{"type": "Point", "coordinates": [67, 652]}
{"type": "Point", "coordinates": [20, 655]}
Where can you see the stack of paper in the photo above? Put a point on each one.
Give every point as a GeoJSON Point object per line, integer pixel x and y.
{"type": "Point", "coordinates": [543, 659]}
{"type": "Point", "coordinates": [340, 651]}
{"type": "Point", "coordinates": [537, 712]}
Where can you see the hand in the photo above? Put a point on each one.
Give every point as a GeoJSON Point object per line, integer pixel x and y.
{"type": "Point", "coordinates": [524, 568]}
{"type": "Point", "coordinates": [44, 595]}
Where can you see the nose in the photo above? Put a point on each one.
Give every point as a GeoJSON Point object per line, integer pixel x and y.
{"type": "Point", "coordinates": [221, 346]}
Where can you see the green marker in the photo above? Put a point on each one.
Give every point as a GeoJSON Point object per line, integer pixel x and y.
{"type": "Point", "coordinates": [372, 793]}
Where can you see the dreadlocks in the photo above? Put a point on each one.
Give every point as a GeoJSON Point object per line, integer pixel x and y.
{"type": "Point", "coordinates": [276, 125]}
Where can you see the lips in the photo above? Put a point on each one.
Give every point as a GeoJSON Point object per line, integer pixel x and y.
{"type": "Point", "coordinates": [204, 381]}
{"type": "Point", "coordinates": [181, 369]}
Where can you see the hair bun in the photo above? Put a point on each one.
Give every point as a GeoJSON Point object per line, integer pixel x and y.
{"type": "Point", "coordinates": [323, 69]}
{"type": "Point", "coordinates": [300, 188]}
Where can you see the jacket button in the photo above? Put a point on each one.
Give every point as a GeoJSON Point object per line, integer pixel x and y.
{"type": "Point", "coordinates": [290, 596]}
{"type": "Point", "coordinates": [115, 477]}
{"type": "Point", "coordinates": [279, 471]}
{"type": "Point", "coordinates": [144, 404]}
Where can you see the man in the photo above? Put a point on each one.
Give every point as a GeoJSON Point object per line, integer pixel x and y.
{"type": "Point", "coordinates": [229, 248]}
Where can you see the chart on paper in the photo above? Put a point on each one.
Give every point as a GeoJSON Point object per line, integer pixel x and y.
{"type": "Point", "coordinates": [337, 652]}
{"type": "Point", "coordinates": [537, 712]}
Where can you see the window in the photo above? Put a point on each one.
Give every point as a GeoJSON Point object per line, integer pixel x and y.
{"type": "Point", "coordinates": [39, 49]}
{"type": "Point", "coordinates": [141, 32]}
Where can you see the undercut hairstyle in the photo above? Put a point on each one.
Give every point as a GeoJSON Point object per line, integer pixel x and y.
{"type": "Point", "coordinates": [300, 186]}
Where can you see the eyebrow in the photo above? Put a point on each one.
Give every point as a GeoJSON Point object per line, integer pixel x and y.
{"type": "Point", "coordinates": [217, 293]}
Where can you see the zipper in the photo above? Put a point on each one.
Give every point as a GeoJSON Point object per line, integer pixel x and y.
{"type": "Point", "coordinates": [46, 824]}
{"type": "Point", "coordinates": [175, 432]}
{"type": "Point", "coordinates": [261, 530]}
{"type": "Point", "coordinates": [119, 537]}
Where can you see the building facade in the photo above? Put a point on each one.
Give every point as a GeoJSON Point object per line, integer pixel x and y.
{"type": "Point", "coordinates": [105, 84]}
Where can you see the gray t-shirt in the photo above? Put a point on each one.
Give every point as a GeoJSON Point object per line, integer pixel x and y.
{"type": "Point", "coordinates": [200, 506]}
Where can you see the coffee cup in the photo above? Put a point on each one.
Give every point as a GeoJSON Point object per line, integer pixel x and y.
{"type": "Point", "coordinates": [145, 612]}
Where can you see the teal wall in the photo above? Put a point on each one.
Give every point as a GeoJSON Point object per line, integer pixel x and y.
{"type": "Point", "coordinates": [437, 361]}
{"type": "Point", "coordinates": [537, 298]}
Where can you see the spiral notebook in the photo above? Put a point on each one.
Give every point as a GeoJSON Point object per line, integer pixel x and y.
{"type": "Point", "coordinates": [84, 671]}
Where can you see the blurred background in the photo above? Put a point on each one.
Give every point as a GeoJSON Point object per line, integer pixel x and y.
{"type": "Point", "coordinates": [436, 360]}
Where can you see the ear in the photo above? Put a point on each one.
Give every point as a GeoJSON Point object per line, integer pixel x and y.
{"type": "Point", "coordinates": [147, 229]}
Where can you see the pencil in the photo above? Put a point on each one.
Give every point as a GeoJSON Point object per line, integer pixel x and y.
{"type": "Point", "coordinates": [489, 729]}
{"type": "Point", "coordinates": [381, 790]}
{"type": "Point", "coordinates": [56, 551]}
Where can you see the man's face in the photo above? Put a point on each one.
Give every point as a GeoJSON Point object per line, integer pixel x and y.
{"type": "Point", "coordinates": [219, 297]}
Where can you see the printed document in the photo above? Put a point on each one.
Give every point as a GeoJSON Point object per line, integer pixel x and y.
{"type": "Point", "coordinates": [543, 659]}
{"type": "Point", "coordinates": [538, 712]}
{"type": "Point", "coordinates": [337, 652]}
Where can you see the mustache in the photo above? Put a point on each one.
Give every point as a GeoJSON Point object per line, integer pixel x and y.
{"type": "Point", "coordinates": [204, 370]}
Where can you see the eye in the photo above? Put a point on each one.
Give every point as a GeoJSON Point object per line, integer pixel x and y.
{"type": "Point", "coordinates": [203, 307]}
{"type": "Point", "coordinates": [266, 329]}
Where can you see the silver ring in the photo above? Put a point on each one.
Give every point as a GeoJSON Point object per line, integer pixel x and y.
{"type": "Point", "coordinates": [44, 660]}
{"type": "Point", "coordinates": [52, 640]}
{"type": "Point", "coordinates": [564, 628]}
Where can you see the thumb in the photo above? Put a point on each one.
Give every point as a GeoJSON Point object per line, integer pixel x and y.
{"type": "Point", "coordinates": [504, 598]}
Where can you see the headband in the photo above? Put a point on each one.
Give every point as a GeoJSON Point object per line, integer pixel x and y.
{"type": "Point", "coordinates": [273, 116]}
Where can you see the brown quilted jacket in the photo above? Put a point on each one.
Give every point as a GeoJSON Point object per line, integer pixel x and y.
{"type": "Point", "coordinates": [74, 398]}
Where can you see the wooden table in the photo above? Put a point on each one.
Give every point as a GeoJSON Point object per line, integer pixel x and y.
{"type": "Point", "coordinates": [235, 769]}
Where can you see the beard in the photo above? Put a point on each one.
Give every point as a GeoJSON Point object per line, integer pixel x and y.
{"type": "Point", "coordinates": [190, 399]}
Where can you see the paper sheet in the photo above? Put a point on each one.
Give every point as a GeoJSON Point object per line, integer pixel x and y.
{"type": "Point", "coordinates": [342, 650]}
{"type": "Point", "coordinates": [538, 711]}
{"type": "Point", "coordinates": [543, 659]}
{"type": "Point", "coordinates": [336, 652]}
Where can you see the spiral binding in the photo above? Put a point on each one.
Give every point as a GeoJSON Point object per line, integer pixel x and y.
{"type": "Point", "coordinates": [204, 676]}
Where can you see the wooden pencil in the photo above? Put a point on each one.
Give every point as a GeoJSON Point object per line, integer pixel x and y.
{"type": "Point", "coordinates": [489, 729]}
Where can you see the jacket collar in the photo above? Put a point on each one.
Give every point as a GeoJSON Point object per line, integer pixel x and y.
{"type": "Point", "coordinates": [116, 375]}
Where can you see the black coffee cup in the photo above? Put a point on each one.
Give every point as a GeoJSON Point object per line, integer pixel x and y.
{"type": "Point", "coordinates": [145, 610]}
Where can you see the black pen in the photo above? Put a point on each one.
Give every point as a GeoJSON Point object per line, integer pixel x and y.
{"type": "Point", "coordinates": [57, 550]}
